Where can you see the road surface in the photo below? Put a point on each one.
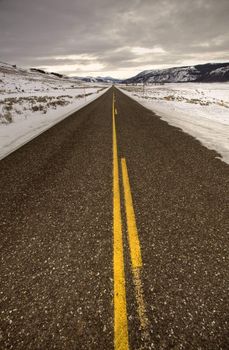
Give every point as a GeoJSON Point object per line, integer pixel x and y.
{"type": "Point", "coordinates": [114, 235]}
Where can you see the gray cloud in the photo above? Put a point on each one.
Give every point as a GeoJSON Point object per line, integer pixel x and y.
{"type": "Point", "coordinates": [55, 34]}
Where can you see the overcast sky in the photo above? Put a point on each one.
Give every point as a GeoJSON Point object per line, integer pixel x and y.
{"type": "Point", "coordinates": [113, 37]}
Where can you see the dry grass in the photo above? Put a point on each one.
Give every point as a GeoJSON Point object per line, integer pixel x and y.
{"type": "Point", "coordinates": [6, 117]}
{"type": "Point", "coordinates": [29, 103]}
{"type": "Point", "coordinates": [13, 106]}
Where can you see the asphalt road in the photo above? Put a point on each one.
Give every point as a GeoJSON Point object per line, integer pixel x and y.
{"type": "Point", "coordinates": [114, 234]}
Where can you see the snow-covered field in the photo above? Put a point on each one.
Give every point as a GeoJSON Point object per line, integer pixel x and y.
{"type": "Point", "coordinates": [31, 102]}
{"type": "Point", "coordinates": [200, 109]}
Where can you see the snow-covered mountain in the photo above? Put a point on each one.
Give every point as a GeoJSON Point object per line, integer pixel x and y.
{"type": "Point", "coordinates": [210, 72]}
{"type": "Point", "coordinates": [108, 80]}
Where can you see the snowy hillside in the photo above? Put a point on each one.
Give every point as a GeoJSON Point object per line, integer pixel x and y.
{"type": "Point", "coordinates": [215, 72]}
{"type": "Point", "coordinates": [13, 80]}
{"type": "Point", "coordinates": [32, 101]}
{"type": "Point", "coordinates": [202, 110]}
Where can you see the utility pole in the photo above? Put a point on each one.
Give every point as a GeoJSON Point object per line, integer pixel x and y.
{"type": "Point", "coordinates": [84, 93]}
{"type": "Point", "coordinates": [143, 88]}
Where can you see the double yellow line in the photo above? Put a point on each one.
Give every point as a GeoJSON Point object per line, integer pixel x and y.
{"type": "Point", "coordinates": [121, 341]}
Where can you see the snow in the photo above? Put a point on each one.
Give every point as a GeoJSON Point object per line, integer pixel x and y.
{"type": "Point", "coordinates": [200, 109]}
{"type": "Point", "coordinates": [31, 103]}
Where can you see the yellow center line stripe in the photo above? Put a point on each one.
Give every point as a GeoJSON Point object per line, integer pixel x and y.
{"type": "Point", "coordinates": [135, 250]}
{"type": "Point", "coordinates": [134, 243]}
{"type": "Point", "coordinates": [120, 314]}
{"type": "Point", "coordinates": [140, 302]}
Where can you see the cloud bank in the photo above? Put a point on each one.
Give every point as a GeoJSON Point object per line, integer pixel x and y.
{"type": "Point", "coordinates": [106, 37]}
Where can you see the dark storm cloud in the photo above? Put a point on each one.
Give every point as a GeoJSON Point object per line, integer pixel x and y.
{"type": "Point", "coordinates": [113, 36]}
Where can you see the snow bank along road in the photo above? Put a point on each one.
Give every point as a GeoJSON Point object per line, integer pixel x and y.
{"type": "Point", "coordinates": [199, 109]}
{"type": "Point", "coordinates": [114, 235]}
